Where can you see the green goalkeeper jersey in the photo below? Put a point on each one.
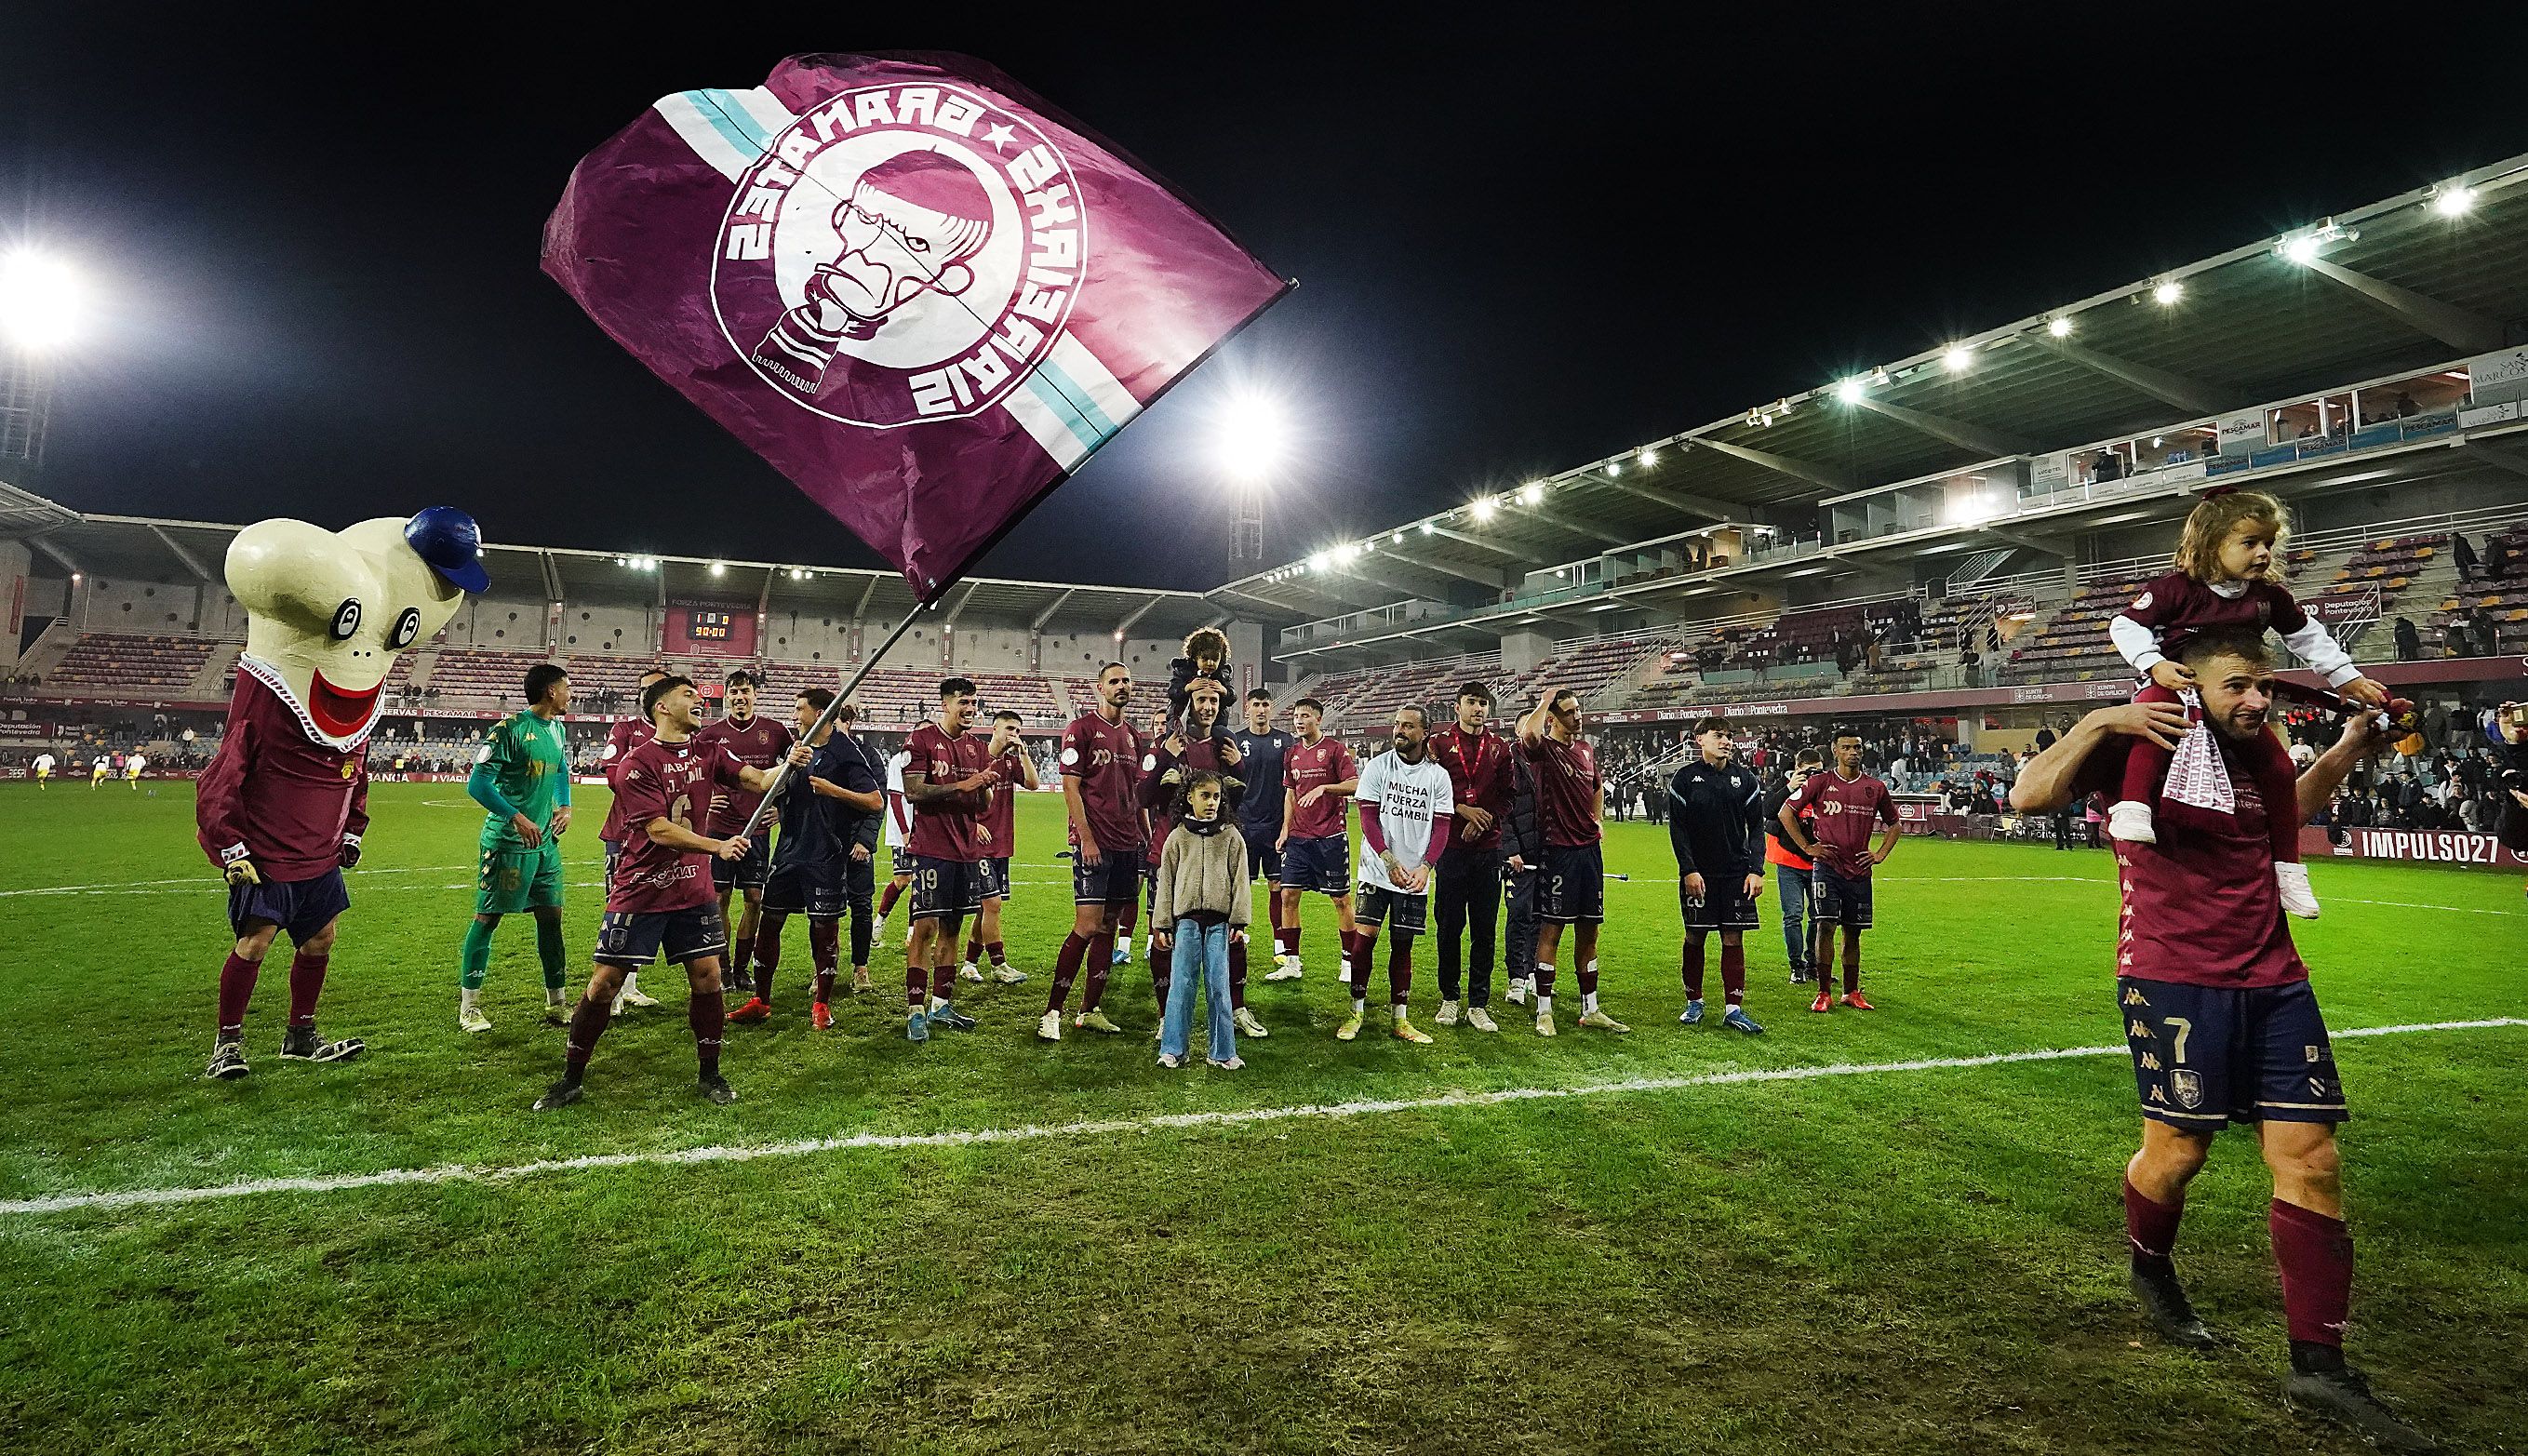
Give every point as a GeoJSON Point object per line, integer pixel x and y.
{"type": "Point", "coordinates": [523, 757]}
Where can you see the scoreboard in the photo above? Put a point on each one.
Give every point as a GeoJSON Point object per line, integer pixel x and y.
{"type": "Point", "coordinates": [709, 629]}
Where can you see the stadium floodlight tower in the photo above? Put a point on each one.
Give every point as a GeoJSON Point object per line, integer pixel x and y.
{"type": "Point", "coordinates": [39, 308]}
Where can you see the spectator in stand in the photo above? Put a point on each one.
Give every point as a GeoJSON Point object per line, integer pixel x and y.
{"type": "Point", "coordinates": [2409, 642]}
{"type": "Point", "coordinates": [2455, 633]}
{"type": "Point", "coordinates": [2488, 641]}
{"type": "Point", "coordinates": [2467, 564]}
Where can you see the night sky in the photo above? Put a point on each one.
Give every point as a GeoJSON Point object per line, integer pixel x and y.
{"type": "Point", "coordinates": [314, 242]}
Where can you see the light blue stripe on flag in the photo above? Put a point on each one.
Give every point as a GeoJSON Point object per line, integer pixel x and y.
{"type": "Point", "coordinates": [729, 118]}
{"type": "Point", "coordinates": [1072, 404]}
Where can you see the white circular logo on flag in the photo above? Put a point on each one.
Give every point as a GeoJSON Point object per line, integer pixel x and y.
{"type": "Point", "coordinates": [901, 253]}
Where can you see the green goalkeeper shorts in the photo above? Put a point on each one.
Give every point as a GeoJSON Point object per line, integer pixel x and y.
{"type": "Point", "coordinates": [515, 878]}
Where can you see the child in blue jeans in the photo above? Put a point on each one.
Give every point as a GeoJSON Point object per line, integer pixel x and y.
{"type": "Point", "coordinates": [1203, 901]}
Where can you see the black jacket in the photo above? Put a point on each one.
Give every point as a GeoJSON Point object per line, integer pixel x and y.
{"type": "Point", "coordinates": [1522, 833]}
{"type": "Point", "coordinates": [1714, 820]}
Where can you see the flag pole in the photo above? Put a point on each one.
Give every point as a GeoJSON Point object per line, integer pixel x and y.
{"type": "Point", "coordinates": [825, 719]}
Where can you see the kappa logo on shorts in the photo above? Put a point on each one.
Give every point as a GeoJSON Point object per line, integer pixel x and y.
{"type": "Point", "coordinates": [2139, 1032]}
{"type": "Point", "coordinates": [2134, 996]}
{"type": "Point", "coordinates": [2150, 1062]}
{"type": "Point", "coordinates": [900, 253]}
{"type": "Point", "coordinates": [2188, 1087]}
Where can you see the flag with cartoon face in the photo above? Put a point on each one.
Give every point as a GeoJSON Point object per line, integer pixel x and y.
{"type": "Point", "coordinates": [916, 288]}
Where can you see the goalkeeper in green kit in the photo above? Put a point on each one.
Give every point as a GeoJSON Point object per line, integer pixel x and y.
{"type": "Point", "coordinates": [522, 779]}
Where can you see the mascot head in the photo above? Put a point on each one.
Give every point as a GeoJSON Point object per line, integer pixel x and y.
{"type": "Point", "coordinates": [327, 611]}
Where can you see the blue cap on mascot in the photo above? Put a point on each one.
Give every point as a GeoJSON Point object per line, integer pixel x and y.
{"type": "Point", "coordinates": [452, 544]}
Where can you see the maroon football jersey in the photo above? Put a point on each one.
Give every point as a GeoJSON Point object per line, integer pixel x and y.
{"type": "Point", "coordinates": [1841, 813]}
{"type": "Point", "coordinates": [626, 735]}
{"type": "Point", "coordinates": [1002, 818]}
{"type": "Point", "coordinates": [1313, 765]}
{"type": "Point", "coordinates": [944, 828]}
{"type": "Point", "coordinates": [675, 782]}
{"type": "Point", "coordinates": [2200, 907]}
{"type": "Point", "coordinates": [1478, 766]}
{"type": "Point", "coordinates": [1106, 759]}
{"type": "Point", "coordinates": [285, 797]}
{"type": "Point", "coordinates": [758, 743]}
{"type": "Point", "coordinates": [1566, 790]}
{"type": "Point", "coordinates": [2177, 607]}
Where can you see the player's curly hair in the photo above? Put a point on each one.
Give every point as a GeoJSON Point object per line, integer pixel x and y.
{"type": "Point", "coordinates": [2198, 543]}
{"type": "Point", "coordinates": [1204, 642]}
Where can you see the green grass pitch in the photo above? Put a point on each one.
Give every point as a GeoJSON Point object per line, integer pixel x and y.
{"type": "Point", "coordinates": [1906, 1261]}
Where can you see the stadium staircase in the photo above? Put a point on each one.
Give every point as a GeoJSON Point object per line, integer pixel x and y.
{"type": "Point", "coordinates": [211, 684]}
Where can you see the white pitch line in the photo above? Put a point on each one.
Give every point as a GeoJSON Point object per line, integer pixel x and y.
{"type": "Point", "coordinates": [60, 1203]}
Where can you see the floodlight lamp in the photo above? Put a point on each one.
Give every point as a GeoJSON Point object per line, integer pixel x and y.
{"type": "Point", "coordinates": [2301, 249]}
{"type": "Point", "coordinates": [1649, 455]}
{"type": "Point", "coordinates": [1482, 508]}
{"type": "Point", "coordinates": [1849, 391]}
{"type": "Point", "coordinates": [1531, 493]}
{"type": "Point", "coordinates": [1320, 561]}
{"type": "Point", "coordinates": [1958, 357]}
{"type": "Point", "coordinates": [1396, 538]}
{"type": "Point", "coordinates": [2060, 328]}
{"type": "Point", "coordinates": [1426, 528]}
{"type": "Point", "coordinates": [40, 300]}
{"type": "Point", "coordinates": [720, 568]}
{"type": "Point", "coordinates": [2453, 201]}
{"type": "Point", "coordinates": [2167, 294]}
{"type": "Point", "coordinates": [1253, 435]}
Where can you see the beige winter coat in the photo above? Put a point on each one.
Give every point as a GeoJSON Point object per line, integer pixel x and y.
{"type": "Point", "coordinates": [1202, 872]}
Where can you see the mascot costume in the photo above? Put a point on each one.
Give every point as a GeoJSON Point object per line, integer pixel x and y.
{"type": "Point", "coordinates": [284, 801]}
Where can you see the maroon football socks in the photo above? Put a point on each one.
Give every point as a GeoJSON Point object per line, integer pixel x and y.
{"type": "Point", "coordinates": [1692, 957]}
{"type": "Point", "coordinates": [237, 988]}
{"type": "Point", "coordinates": [2315, 1256]}
{"type": "Point", "coordinates": [1733, 972]}
{"type": "Point", "coordinates": [306, 984]}
{"type": "Point", "coordinates": [587, 1024]}
{"type": "Point", "coordinates": [707, 1014]}
{"type": "Point", "coordinates": [2150, 1227]}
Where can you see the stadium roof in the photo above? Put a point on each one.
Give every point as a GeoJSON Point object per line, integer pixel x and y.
{"type": "Point", "coordinates": [113, 545]}
{"type": "Point", "coordinates": [2418, 279]}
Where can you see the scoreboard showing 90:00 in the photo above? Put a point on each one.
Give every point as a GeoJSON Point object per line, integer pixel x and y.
{"type": "Point", "coordinates": [707, 626]}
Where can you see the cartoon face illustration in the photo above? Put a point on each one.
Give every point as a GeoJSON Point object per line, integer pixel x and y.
{"type": "Point", "coordinates": [327, 611]}
{"type": "Point", "coordinates": [908, 228]}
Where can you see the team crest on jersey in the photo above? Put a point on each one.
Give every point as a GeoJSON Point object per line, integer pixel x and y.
{"type": "Point", "coordinates": [2142, 602]}
{"type": "Point", "coordinates": [2188, 1087]}
{"type": "Point", "coordinates": [901, 253]}
{"type": "Point", "coordinates": [347, 768]}
{"type": "Point", "coordinates": [1070, 757]}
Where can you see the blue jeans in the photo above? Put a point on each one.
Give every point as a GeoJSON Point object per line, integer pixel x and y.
{"type": "Point", "coordinates": [1204, 949]}
{"type": "Point", "coordinates": [1793, 886]}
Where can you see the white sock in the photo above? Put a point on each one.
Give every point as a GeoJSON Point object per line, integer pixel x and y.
{"type": "Point", "coordinates": [465, 998]}
{"type": "Point", "coordinates": [552, 996]}
{"type": "Point", "coordinates": [1359, 1005]}
{"type": "Point", "coordinates": [631, 983]}
{"type": "Point", "coordinates": [1544, 1005]}
{"type": "Point", "coordinates": [1589, 1003]}
{"type": "Point", "coordinates": [1399, 1012]}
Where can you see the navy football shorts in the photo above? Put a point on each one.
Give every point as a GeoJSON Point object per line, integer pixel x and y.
{"type": "Point", "coordinates": [634, 938]}
{"type": "Point", "coordinates": [1723, 905]}
{"type": "Point", "coordinates": [814, 888]}
{"type": "Point", "coordinates": [1263, 861]}
{"type": "Point", "coordinates": [903, 860]}
{"type": "Point", "coordinates": [1835, 900]}
{"type": "Point", "coordinates": [2207, 1056]}
{"type": "Point", "coordinates": [1373, 906]}
{"type": "Point", "coordinates": [747, 872]}
{"type": "Point", "coordinates": [301, 907]}
{"type": "Point", "coordinates": [946, 889]}
{"type": "Point", "coordinates": [1573, 888]}
{"type": "Point", "coordinates": [1113, 880]}
{"type": "Point", "coordinates": [1320, 864]}
{"type": "Point", "coordinates": [996, 877]}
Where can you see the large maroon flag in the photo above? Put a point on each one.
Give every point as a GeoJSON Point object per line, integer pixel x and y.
{"type": "Point", "coordinates": [920, 292]}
